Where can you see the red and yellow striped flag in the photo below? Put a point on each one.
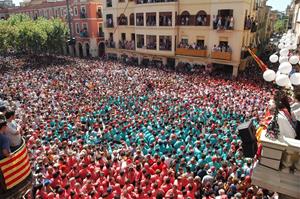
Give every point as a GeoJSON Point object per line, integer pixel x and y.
{"type": "Point", "coordinates": [16, 168]}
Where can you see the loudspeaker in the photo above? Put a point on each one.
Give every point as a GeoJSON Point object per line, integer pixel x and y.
{"type": "Point", "coordinates": [247, 132]}
{"type": "Point", "coordinates": [249, 149]}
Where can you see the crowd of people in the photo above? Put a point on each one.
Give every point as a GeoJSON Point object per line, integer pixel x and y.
{"type": "Point", "coordinates": [223, 22]}
{"type": "Point", "coordinates": [221, 48]}
{"type": "Point", "coordinates": [97, 129]}
{"type": "Point", "coordinates": [195, 45]}
{"type": "Point", "coordinates": [128, 45]}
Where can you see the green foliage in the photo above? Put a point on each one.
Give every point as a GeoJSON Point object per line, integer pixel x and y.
{"type": "Point", "coordinates": [22, 34]}
{"type": "Point", "coordinates": [279, 26]}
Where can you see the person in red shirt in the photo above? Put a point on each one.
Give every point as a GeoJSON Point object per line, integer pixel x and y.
{"type": "Point", "coordinates": [167, 185]}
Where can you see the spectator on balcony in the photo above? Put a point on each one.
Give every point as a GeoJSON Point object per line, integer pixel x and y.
{"type": "Point", "coordinates": [4, 140]}
{"type": "Point", "coordinates": [200, 20]}
{"type": "Point", "coordinates": [248, 23]}
{"type": "Point", "coordinates": [215, 48]}
{"type": "Point", "coordinates": [13, 131]}
{"type": "Point", "coordinates": [109, 22]}
{"type": "Point", "coordinates": [231, 23]}
{"type": "Point", "coordinates": [219, 23]}
{"type": "Point", "coordinates": [82, 13]}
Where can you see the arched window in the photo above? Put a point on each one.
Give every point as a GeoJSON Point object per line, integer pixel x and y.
{"type": "Point", "coordinates": [122, 20]}
{"type": "Point", "coordinates": [201, 18]}
{"type": "Point", "coordinates": [185, 18]}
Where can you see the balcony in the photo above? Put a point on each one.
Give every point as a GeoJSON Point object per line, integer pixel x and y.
{"type": "Point", "coordinates": [83, 15]}
{"type": "Point", "coordinates": [122, 20]}
{"type": "Point", "coordinates": [109, 24]}
{"type": "Point", "coordinates": [279, 166]}
{"type": "Point", "coordinates": [221, 55]}
{"type": "Point", "coordinates": [250, 24]}
{"type": "Point", "coordinates": [191, 52]}
{"type": "Point", "coordinates": [101, 34]}
{"type": "Point", "coordinates": [84, 33]}
{"type": "Point", "coordinates": [154, 1]}
{"type": "Point", "coordinates": [15, 184]}
{"type": "Point", "coordinates": [222, 23]}
{"type": "Point", "coordinates": [110, 44]}
{"type": "Point", "coordinates": [200, 19]}
{"type": "Point", "coordinates": [127, 45]}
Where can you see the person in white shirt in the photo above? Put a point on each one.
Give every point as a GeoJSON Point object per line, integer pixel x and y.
{"type": "Point", "coordinates": [284, 120]}
{"type": "Point", "coordinates": [13, 131]}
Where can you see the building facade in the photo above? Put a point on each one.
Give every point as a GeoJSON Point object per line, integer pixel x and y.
{"type": "Point", "coordinates": [206, 32]}
{"type": "Point", "coordinates": [86, 21]}
{"type": "Point", "coordinates": [6, 3]}
{"type": "Point", "coordinates": [295, 23]}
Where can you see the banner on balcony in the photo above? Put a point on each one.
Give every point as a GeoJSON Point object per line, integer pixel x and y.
{"type": "Point", "coordinates": [16, 168]}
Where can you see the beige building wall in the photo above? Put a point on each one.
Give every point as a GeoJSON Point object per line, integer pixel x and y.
{"type": "Point", "coordinates": [236, 38]}
{"type": "Point", "coordinates": [296, 19]}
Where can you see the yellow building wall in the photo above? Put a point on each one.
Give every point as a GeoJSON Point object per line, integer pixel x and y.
{"type": "Point", "coordinates": [236, 38]}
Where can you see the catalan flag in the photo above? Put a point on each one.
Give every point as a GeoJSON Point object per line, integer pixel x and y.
{"type": "Point", "coordinates": [16, 168]}
{"type": "Point", "coordinates": [260, 63]}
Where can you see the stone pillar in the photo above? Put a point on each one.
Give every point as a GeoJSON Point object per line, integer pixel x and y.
{"type": "Point", "coordinates": [164, 61]}
{"type": "Point", "coordinates": [94, 47]}
{"type": "Point", "coordinates": [77, 50]}
{"type": "Point", "coordinates": [84, 49]}
{"type": "Point", "coordinates": [176, 64]}
{"type": "Point", "coordinates": [287, 161]}
{"type": "Point", "coordinates": [139, 59]}
{"type": "Point", "coordinates": [71, 50]}
{"type": "Point", "coordinates": [235, 71]}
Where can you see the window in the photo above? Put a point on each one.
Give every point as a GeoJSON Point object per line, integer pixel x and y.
{"type": "Point", "coordinates": [140, 41]}
{"type": "Point", "coordinates": [109, 3]}
{"type": "Point", "coordinates": [83, 12]}
{"type": "Point", "coordinates": [75, 11]}
{"type": "Point", "coordinates": [122, 20]}
{"type": "Point", "coordinates": [151, 42]}
{"type": "Point", "coordinates": [99, 12]}
{"type": "Point", "coordinates": [140, 19]}
{"type": "Point", "coordinates": [202, 19]}
{"type": "Point", "coordinates": [123, 36]}
{"type": "Point", "coordinates": [185, 18]}
{"type": "Point", "coordinates": [77, 28]}
{"type": "Point", "coordinates": [151, 19]}
{"type": "Point", "coordinates": [109, 21]}
{"type": "Point", "coordinates": [84, 26]}
{"type": "Point", "coordinates": [131, 19]}
{"type": "Point", "coordinates": [165, 19]}
{"type": "Point", "coordinates": [185, 41]}
{"type": "Point", "coordinates": [165, 43]}
{"type": "Point", "coordinates": [224, 20]}
{"type": "Point", "coordinates": [100, 30]}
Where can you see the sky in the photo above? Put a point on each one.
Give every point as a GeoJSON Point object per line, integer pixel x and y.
{"type": "Point", "coordinates": [17, 2]}
{"type": "Point", "coordinates": [279, 5]}
{"type": "Point", "coordinates": [276, 4]}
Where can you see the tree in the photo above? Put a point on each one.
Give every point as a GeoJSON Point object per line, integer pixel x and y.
{"type": "Point", "coordinates": [22, 34]}
{"type": "Point", "coordinates": [279, 25]}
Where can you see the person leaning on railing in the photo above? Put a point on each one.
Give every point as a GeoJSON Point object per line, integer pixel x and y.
{"type": "Point", "coordinates": [4, 141]}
